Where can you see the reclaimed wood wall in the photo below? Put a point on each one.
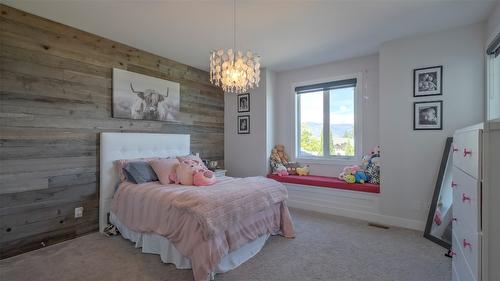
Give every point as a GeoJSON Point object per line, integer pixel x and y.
{"type": "Point", "coordinates": [55, 99]}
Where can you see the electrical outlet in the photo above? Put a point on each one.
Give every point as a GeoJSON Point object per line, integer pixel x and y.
{"type": "Point", "coordinates": [78, 212]}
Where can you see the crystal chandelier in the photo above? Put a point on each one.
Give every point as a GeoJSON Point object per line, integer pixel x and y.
{"type": "Point", "coordinates": [234, 71]}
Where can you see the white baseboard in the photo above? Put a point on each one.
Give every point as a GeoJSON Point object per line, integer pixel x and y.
{"type": "Point", "coordinates": [346, 203]}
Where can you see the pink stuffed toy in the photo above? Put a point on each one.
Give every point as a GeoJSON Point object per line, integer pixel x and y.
{"type": "Point", "coordinates": [281, 171]}
{"type": "Point", "coordinates": [203, 178]}
{"type": "Point", "coordinates": [192, 172]}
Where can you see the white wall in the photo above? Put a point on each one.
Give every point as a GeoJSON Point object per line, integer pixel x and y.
{"type": "Point", "coordinates": [284, 103]}
{"type": "Point", "coordinates": [247, 154]}
{"type": "Point", "coordinates": [411, 159]}
{"type": "Point", "coordinates": [270, 102]}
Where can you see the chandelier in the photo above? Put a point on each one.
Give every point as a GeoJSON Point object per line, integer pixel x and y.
{"type": "Point", "coordinates": [234, 71]}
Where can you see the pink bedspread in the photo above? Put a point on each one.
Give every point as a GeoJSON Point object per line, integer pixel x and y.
{"type": "Point", "coordinates": [206, 223]}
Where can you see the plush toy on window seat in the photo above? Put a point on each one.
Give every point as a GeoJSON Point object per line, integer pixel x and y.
{"type": "Point", "coordinates": [372, 168]}
{"type": "Point", "coordinates": [354, 174]}
{"type": "Point", "coordinates": [349, 172]}
{"type": "Point", "coordinates": [361, 177]}
{"type": "Point", "coordinates": [303, 171]}
{"type": "Point", "coordinates": [280, 163]}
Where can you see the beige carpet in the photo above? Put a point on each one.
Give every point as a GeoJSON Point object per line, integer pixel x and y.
{"type": "Point", "coordinates": [326, 248]}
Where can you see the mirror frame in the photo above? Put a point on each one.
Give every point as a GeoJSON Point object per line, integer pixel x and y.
{"type": "Point", "coordinates": [435, 197]}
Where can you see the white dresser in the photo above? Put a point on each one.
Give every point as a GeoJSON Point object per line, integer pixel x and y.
{"type": "Point", "coordinates": [472, 162]}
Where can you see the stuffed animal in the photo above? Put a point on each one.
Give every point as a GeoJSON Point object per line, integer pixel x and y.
{"type": "Point", "coordinates": [360, 177]}
{"type": "Point", "coordinates": [192, 172]}
{"type": "Point", "coordinates": [349, 170]}
{"type": "Point", "coordinates": [203, 178]}
{"type": "Point", "coordinates": [303, 171]}
{"type": "Point", "coordinates": [292, 167]}
{"type": "Point", "coordinates": [281, 171]}
{"type": "Point", "coordinates": [365, 161]}
{"type": "Point", "coordinates": [280, 159]}
{"type": "Point", "coordinates": [279, 155]}
{"type": "Point", "coordinates": [350, 179]}
{"type": "Point", "coordinates": [373, 172]}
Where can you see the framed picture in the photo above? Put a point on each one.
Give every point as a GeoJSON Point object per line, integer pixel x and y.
{"type": "Point", "coordinates": [428, 81]}
{"type": "Point", "coordinates": [244, 124]}
{"type": "Point", "coordinates": [244, 102]}
{"type": "Point", "coordinates": [428, 115]}
{"type": "Point", "coordinates": [137, 96]}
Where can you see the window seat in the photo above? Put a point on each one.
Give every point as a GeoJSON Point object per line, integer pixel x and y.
{"type": "Point", "coordinates": [328, 182]}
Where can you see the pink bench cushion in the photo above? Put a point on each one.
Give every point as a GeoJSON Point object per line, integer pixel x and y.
{"type": "Point", "coordinates": [329, 182]}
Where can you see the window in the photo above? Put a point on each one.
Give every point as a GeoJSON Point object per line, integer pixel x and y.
{"type": "Point", "coordinates": [326, 120]}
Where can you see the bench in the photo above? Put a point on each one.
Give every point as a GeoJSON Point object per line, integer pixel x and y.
{"type": "Point", "coordinates": [327, 182]}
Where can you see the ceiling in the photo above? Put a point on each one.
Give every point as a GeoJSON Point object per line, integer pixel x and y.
{"type": "Point", "coordinates": [287, 34]}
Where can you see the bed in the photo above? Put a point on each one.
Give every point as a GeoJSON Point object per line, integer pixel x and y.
{"type": "Point", "coordinates": [209, 229]}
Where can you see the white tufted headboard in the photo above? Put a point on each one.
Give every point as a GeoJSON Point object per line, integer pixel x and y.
{"type": "Point", "coordinates": [116, 146]}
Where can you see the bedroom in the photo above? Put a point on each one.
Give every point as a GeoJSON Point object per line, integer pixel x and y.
{"type": "Point", "coordinates": [342, 91]}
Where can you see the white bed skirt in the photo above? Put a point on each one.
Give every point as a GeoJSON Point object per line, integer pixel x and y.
{"type": "Point", "coordinates": [152, 243]}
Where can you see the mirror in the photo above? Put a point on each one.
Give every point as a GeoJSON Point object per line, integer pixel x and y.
{"type": "Point", "coordinates": [439, 221]}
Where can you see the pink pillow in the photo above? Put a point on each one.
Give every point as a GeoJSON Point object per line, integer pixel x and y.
{"type": "Point", "coordinates": [163, 168]}
{"type": "Point", "coordinates": [120, 164]}
{"type": "Point", "coordinates": [203, 178]}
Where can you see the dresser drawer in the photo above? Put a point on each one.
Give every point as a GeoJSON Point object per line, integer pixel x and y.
{"type": "Point", "coordinates": [467, 152]}
{"type": "Point", "coordinates": [459, 263]}
{"type": "Point", "coordinates": [466, 201]}
{"type": "Point", "coordinates": [470, 245]}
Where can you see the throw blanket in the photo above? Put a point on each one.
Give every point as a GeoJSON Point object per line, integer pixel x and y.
{"type": "Point", "coordinates": [234, 199]}
{"type": "Point", "coordinates": [204, 223]}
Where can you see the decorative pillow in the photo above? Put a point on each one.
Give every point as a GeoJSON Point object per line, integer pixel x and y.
{"type": "Point", "coordinates": [203, 178]}
{"type": "Point", "coordinates": [120, 164]}
{"type": "Point", "coordinates": [164, 168]}
{"type": "Point", "coordinates": [139, 172]}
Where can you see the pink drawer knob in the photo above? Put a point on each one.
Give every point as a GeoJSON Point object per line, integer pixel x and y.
{"type": "Point", "coordinates": [467, 152]}
{"type": "Point", "coordinates": [452, 253]}
{"type": "Point", "coordinates": [467, 244]}
{"type": "Point", "coordinates": [454, 184]}
{"type": "Point", "coordinates": [465, 198]}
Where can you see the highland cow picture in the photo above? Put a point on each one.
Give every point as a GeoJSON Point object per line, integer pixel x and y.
{"type": "Point", "coordinates": [428, 81]}
{"type": "Point", "coordinates": [137, 96]}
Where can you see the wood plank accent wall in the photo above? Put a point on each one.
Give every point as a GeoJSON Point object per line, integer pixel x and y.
{"type": "Point", "coordinates": [56, 98]}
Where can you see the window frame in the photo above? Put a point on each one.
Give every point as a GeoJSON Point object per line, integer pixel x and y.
{"type": "Point", "coordinates": [492, 93]}
{"type": "Point", "coordinates": [358, 118]}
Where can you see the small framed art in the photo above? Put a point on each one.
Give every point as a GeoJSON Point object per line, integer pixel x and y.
{"type": "Point", "coordinates": [428, 81]}
{"type": "Point", "coordinates": [244, 124]}
{"type": "Point", "coordinates": [428, 115]}
{"type": "Point", "coordinates": [244, 102]}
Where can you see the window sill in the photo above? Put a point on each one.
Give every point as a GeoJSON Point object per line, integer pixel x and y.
{"type": "Point", "coordinates": [327, 161]}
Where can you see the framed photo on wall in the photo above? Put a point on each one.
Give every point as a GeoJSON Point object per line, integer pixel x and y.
{"type": "Point", "coordinates": [428, 115]}
{"type": "Point", "coordinates": [428, 81]}
{"type": "Point", "coordinates": [244, 124]}
{"type": "Point", "coordinates": [244, 102]}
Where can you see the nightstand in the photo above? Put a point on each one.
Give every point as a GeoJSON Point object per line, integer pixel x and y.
{"type": "Point", "coordinates": [220, 173]}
